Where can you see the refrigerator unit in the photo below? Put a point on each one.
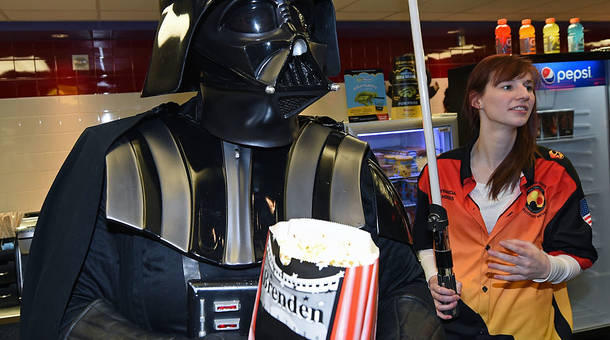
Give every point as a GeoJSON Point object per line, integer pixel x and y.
{"type": "Point", "coordinates": [400, 148]}
{"type": "Point", "coordinates": [572, 102]}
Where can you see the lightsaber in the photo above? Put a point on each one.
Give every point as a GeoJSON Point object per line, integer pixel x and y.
{"type": "Point", "coordinates": [437, 218]}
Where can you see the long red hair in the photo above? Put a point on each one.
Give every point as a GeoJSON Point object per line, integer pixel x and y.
{"type": "Point", "coordinates": [494, 70]}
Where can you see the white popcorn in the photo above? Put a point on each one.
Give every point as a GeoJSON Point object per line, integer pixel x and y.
{"type": "Point", "coordinates": [324, 243]}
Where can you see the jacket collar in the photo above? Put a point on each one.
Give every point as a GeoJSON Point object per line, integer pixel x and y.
{"type": "Point", "coordinates": [466, 172]}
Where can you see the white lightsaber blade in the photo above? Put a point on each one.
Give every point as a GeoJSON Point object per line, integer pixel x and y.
{"type": "Point", "coordinates": [437, 219]}
{"type": "Point", "coordinates": [420, 65]}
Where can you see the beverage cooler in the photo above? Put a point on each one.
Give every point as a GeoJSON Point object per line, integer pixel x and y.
{"type": "Point", "coordinates": [572, 101]}
{"type": "Point", "coordinates": [400, 148]}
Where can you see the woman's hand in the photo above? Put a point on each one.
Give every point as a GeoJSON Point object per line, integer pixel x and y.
{"type": "Point", "coordinates": [530, 263]}
{"type": "Point", "coordinates": [444, 298]}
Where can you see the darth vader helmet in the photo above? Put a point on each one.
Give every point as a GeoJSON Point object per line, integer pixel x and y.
{"type": "Point", "coordinates": [283, 47]}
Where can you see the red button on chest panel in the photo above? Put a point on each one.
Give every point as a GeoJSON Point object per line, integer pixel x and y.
{"type": "Point", "coordinates": [226, 306]}
{"type": "Point", "coordinates": [226, 324]}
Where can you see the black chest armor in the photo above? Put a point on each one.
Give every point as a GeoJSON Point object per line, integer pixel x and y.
{"type": "Point", "coordinates": [215, 200]}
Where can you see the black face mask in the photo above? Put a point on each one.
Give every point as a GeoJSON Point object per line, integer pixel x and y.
{"type": "Point", "coordinates": [241, 24]}
{"type": "Point", "coordinates": [263, 45]}
{"type": "Point", "coordinates": [257, 63]}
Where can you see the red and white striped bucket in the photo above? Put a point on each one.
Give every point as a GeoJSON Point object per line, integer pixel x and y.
{"type": "Point", "coordinates": [325, 289]}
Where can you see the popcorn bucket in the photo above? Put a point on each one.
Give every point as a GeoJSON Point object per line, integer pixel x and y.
{"type": "Point", "coordinates": [318, 281]}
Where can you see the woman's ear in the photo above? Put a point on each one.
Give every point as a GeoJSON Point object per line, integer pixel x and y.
{"type": "Point", "coordinates": [475, 100]}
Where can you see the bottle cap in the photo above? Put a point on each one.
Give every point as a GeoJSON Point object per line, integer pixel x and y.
{"type": "Point", "coordinates": [549, 21]}
{"type": "Point", "coordinates": [574, 20]}
{"type": "Point", "coordinates": [526, 22]}
{"type": "Point", "coordinates": [502, 21]}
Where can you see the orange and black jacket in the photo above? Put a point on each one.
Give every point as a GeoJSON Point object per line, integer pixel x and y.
{"type": "Point", "coordinates": [551, 212]}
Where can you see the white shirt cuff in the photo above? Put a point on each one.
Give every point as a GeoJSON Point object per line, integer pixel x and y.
{"type": "Point", "coordinates": [428, 263]}
{"type": "Point", "coordinates": [563, 268]}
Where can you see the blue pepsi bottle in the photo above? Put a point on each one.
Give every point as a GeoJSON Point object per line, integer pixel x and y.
{"type": "Point", "coordinates": [576, 36]}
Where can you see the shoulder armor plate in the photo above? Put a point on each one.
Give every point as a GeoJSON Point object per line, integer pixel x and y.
{"type": "Point", "coordinates": [134, 194]}
{"type": "Point", "coordinates": [323, 176]}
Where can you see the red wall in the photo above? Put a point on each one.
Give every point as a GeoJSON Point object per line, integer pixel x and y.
{"type": "Point", "coordinates": [374, 45]}
{"type": "Point", "coordinates": [119, 58]}
{"type": "Point", "coordinates": [33, 64]}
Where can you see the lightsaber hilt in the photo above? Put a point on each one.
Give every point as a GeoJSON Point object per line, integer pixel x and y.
{"type": "Point", "coordinates": [438, 223]}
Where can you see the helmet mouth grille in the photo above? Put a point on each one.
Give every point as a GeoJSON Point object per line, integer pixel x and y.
{"type": "Point", "coordinates": [290, 105]}
{"type": "Point", "coordinates": [301, 73]}
{"type": "Point", "coordinates": [300, 83]}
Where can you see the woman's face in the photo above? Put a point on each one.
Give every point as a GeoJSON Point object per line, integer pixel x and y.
{"type": "Point", "coordinates": [508, 104]}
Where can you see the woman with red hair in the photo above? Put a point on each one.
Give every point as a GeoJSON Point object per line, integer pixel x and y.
{"type": "Point", "coordinates": [519, 224]}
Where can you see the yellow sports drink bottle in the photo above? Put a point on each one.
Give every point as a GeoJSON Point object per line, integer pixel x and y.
{"type": "Point", "coordinates": [551, 36]}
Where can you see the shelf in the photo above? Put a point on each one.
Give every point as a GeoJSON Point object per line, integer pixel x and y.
{"type": "Point", "coordinates": [398, 178]}
{"type": "Point", "coordinates": [593, 192]}
{"type": "Point", "coordinates": [408, 204]}
{"type": "Point", "coordinates": [565, 139]}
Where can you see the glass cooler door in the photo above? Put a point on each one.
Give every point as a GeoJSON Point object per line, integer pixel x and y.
{"type": "Point", "coordinates": [401, 152]}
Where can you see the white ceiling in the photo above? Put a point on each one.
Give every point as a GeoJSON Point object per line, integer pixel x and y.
{"type": "Point", "coordinates": [347, 10]}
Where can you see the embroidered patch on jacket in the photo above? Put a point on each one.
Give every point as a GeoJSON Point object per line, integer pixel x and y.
{"type": "Point", "coordinates": [584, 212]}
{"type": "Point", "coordinates": [556, 154]}
{"type": "Point", "coordinates": [535, 199]}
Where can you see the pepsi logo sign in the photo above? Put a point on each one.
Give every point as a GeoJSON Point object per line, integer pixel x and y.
{"type": "Point", "coordinates": [570, 74]}
{"type": "Point", "coordinates": [548, 76]}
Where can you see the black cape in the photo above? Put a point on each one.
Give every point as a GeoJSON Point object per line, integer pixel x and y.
{"type": "Point", "coordinates": [65, 227]}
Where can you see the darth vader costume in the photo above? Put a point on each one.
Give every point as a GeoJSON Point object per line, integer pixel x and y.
{"type": "Point", "coordinates": [147, 205]}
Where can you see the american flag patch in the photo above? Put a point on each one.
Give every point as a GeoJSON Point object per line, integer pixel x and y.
{"type": "Point", "coordinates": [584, 211]}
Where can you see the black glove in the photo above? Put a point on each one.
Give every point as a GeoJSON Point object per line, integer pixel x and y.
{"type": "Point", "coordinates": [409, 316]}
{"type": "Point", "coordinates": [100, 321]}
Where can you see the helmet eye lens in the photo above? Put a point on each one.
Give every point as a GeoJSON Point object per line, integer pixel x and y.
{"type": "Point", "coordinates": [257, 17]}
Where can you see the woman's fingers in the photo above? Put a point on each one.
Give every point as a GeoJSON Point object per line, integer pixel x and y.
{"type": "Point", "coordinates": [530, 262]}
{"type": "Point", "coordinates": [443, 316]}
{"type": "Point", "coordinates": [504, 268]}
{"type": "Point", "coordinates": [516, 277]}
{"type": "Point", "coordinates": [444, 298]}
{"type": "Point", "coordinates": [444, 307]}
{"type": "Point", "coordinates": [503, 256]}
{"type": "Point", "coordinates": [442, 290]}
